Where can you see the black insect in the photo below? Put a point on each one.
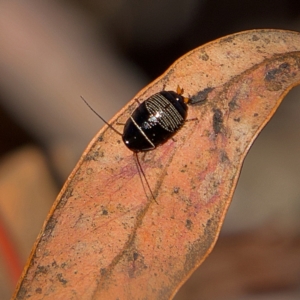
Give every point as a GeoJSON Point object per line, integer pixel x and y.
{"type": "Point", "coordinates": [153, 122]}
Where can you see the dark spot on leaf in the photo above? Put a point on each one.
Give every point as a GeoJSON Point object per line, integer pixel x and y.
{"type": "Point", "coordinates": [255, 38]}
{"type": "Point", "coordinates": [54, 264]}
{"type": "Point", "coordinates": [38, 290]}
{"type": "Point", "coordinates": [183, 169]}
{"type": "Point", "coordinates": [274, 86]}
{"type": "Point", "coordinates": [224, 157]}
{"type": "Point", "coordinates": [68, 193]}
{"type": "Point", "coordinates": [64, 199]}
{"type": "Point", "coordinates": [94, 155]}
{"type": "Point", "coordinates": [271, 75]}
{"type": "Point", "coordinates": [228, 39]}
{"type": "Point", "coordinates": [255, 115]}
{"type": "Point", "coordinates": [49, 228]}
{"type": "Point", "coordinates": [204, 56]}
{"type": "Point", "coordinates": [208, 223]}
{"type": "Point", "coordinates": [22, 293]}
{"type": "Point", "coordinates": [277, 72]}
{"type": "Point", "coordinates": [237, 119]}
{"type": "Point", "coordinates": [176, 190]}
{"type": "Point", "coordinates": [201, 96]}
{"type": "Point", "coordinates": [103, 271]}
{"type": "Point", "coordinates": [188, 224]}
{"type": "Point", "coordinates": [284, 66]}
{"type": "Point", "coordinates": [135, 255]}
{"type": "Point", "coordinates": [217, 120]}
{"type": "Point", "coordinates": [104, 212]}
{"type": "Point", "coordinates": [61, 279]}
{"type": "Point", "coordinates": [41, 270]}
{"type": "Point", "coordinates": [233, 103]}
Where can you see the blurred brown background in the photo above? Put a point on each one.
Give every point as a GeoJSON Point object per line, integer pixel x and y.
{"type": "Point", "coordinates": [53, 52]}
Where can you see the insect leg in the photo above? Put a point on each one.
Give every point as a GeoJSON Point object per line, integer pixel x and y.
{"type": "Point", "coordinates": [141, 172]}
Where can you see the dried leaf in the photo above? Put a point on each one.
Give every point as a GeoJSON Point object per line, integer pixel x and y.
{"type": "Point", "coordinates": [105, 238]}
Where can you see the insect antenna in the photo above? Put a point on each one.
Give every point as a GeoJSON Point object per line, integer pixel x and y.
{"type": "Point", "coordinates": [110, 126]}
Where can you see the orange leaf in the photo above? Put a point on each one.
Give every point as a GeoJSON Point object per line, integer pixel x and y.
{"type": "Point", "coordinates": [104, 237]}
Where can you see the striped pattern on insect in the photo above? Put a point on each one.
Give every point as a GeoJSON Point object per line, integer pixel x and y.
{"type": "Point", "coordinates": [155, 120]}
